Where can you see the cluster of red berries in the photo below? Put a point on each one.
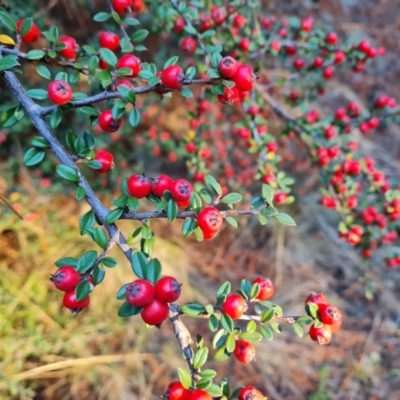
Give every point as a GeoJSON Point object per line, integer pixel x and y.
{"type": "Point", "coordinates": [153, 299]}
{"type": "Point", "coordinates": [124, 6]}
{"type": "Point", "coordinates": [328, 318]}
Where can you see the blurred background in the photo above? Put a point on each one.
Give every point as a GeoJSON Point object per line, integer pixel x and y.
{"type": "Point", "coordinates": [46, 353]}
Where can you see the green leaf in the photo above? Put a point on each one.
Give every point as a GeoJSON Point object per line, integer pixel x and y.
{"type": "Point", "coordinates": [139, 264]}
{"type": "Point", "coordinates": [90, 111]}
{"type": "Point", "coordinates": [127, 310]}
{"type": "Point", "coordinates": [232, 198]}
{"type": "Point", "coordinates": [68, 173]}
{"type": "Point", "coordinates": [100, 238]}
{"type": "Point", "coordinates": [131, 21]}
{"type": "Point", "coordinates": [285, 219]}
{"type": "Point", "coordinates": [206, 195]}
{"type": "Point", "coordinates": [55, 118]}
{"type": "Point", "coordinates": [26, 26]}
{"type": "Point", "coordinates": [133, 203]}
{"type": "Point", "coordinates": [298, 329]}
{"type": "Point", "coordinates": [251, 326]}
{"type": "Point", "coordinates": [114, 215]}
{"type": "Point", "coordinates": [204, 383]}
{"type": "Point", "coordinates": [213, 73]}
{"type": "Point", "coordinates": [109, 262]}
{"type": "Point", "coordinates": [312, 309]}
{"type": "Point", "coordinates": [139, 35]}
{"type": "Point", "coordinates": [245, 287]}
{"type": "Point", "coordinates": [171, 61]}
{"type": "Point", "coordinates": [195, 201]}
{"type": "Point", "coordinates": [227, 322]}
{"type": "Point", "coordinates": [185, 378]}
{"type": "Point", "coordinates": [94, 164]}
{"type": "Point", "coordinates": [193, 309]}
{"type": "Point", "coordinates": [267, 332]}
{"type": "Point", "coordinates": [188, 227]}
{"type": "Point", "coordinates": [304, 320]}
{"type": "Point", "coordinates": [215, 59]}
{"type": "Point", "coordinates": [121, 292]}
{"type": "Point", "coordinates": [101, 17]}
{"type": "Point", "coordinates": [98, 275]}
{"type": "Point", "coordinates": [35, 55]}
{"type": "Point", "coordinates": [269, 212]}
{"type": "Point", "coordinates": [37, 94]}
{"type": "Point", "coordinates": [153, 271]}
{"type": "Point", "coordinates": [33, 157]}
{"type": "Point", "coordinates": [40, 142]}
{"type": "Point", "coordinates": [80, 193]}
{"type": "Point", "coordinates": [221, 354]}
{"type": "Point", "coordinates": [134, 117]}
{"type": "Point", "coordinates": [213, 323]}
{"type": "Point", "coordinates": [214, 390]}
{"type": "Point", "coordinates": [172, 210]}
{"type": "Point", "coordinates": [252, 337]}
{"type": "Point", "coordinates": [200, 357]}
{"type": "Point", "coordinates": [230, 343]}
{"type": "Point", "coordinates": [208, 373]}
{"type": "Point", "coordinates": [86, 221]}
{"type": "Point", "coordinates": [8, 21]}
{"type": "Point", "coordinates": [43, 71]}
{"type": "Point", "coordinates": [67, 261]}
{"type": "Point", "coordinates": [268, 315]}
{"type": "Point", "coordinates": [82, 290]}
{"type": "Point", "coordinates": [145, 75]}
{"type": "Point", "coordinates": [213, 184]}
{"type": "Point", "coordinates": [219, 339]}
{"type": "Point", "coordinates": [224, 289]}
{"type": "Point", "coordinates": [186, 93]}
{"type": "Point", "coordinates": [108, 56]}
{"type": "Point", "coordinates": [86, 261]}
{"type": "Point", "coordinates": [190, 29]}
{"type": "Point", "coordinates": [190, 72]}
{"type": "Point", "coordinates": [262, 219]}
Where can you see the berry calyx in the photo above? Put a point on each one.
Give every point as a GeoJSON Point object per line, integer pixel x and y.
{"type": "Point", "coordinates": [188, 46]}
{"type": "Point", "coordinates": [181, 190]}
{"type": "Point", "coordinates": [329, 314]}
{"type": "Point", "coordinates": [234, 306]}
{"type": "Point", "coordinates": [161, 184]}
{"type": "Point", "coordinates": [172, 77]}
{"type": "Point", "coordinates": [70, 301]}
{"type": "Point", "coordinates": [140, 293]}
{"type": "Point", "coordinates": [109, 40]}
{"type": "Point", "coordinates": [31, 35]}
{"type": "Point", "coordinates": [209, 219]}
{"type": "Point", "coordinates": [66, 278]}
{"type": "Point", "coordinates": [71, 49]}
{"type": "Point", "coordinates": [167, 289]}
{"type": "Point", "coordinates": [250, 393]}
{"type": "Point", "coordinates": [244, 352]}
{"type": "Point", "coordinates": [132, 62]}
{"type": "Point", "coordinates": [59, 92]}
{"type": "Point", "coordinates": [139, 186]}
{"type": "Point", "coordinates": [175, 391]}
{"type": "Point", "coordinates": [228, 67]}
{"type": "Point", "coordinates": [155, 313]}
{"type": "Point", "coordinates": [266, 288]}
{"type": "Point", "coordinates": [106, 160]}
{"type": "Point", "coordinates": [244, 78]}
{"type": "Point", "coordinates": [107, 122]}
{"type": "Point", "coordinates": [321, 335]}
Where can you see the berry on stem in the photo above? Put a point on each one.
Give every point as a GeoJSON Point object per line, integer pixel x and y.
{"type": "Point", "coordinates": [175, 391]}
{"type": "Point", "coordinates": [121, 6]}
{"type": "Point", "coordinates": [181, 190]}
{"type": "Point", "coordinates": [244, 78]}
{"type": "Point", "coordinates": [106, 159]}
{"type": "Point", "coordinates": [266, 288]}
{"type": "Point", "coordinates": [132, 62]}
{"type": "Point", "coordinates": [167, 289]}
{"type": "Point", "coordinates": [32, 35]}
{"type": "Point", "coordinates": [188, 46]}
{"type": "Point", "coordinates": [71, 49]}
{"type": "Point", "coordinates": [160, 184]}
{"type": "Point", "coordinates": [155, 313]}
{"type": "Point", "coordinates": [109, 40]}
{"type": "Point", "coordinates": [70, 301]}
{"type": "Point", "coordinates": [59, 92]}
{"type": "Point", "coordinates": [321, 335]}
{"type": "Point", "coordinates": [140, 293]}
{"type": "Point", "coordinates": [172, 77]}
{"type": "Point", "coordinates": [244, 352]}
{"type": "Point", "coordinates": [250, 393]}
{"type": "Point", "coordinates": [139, 186]}
{"type": "Point", "coordinates": [228, 67]}
{"type": "Point", "coordinates": [234, 306]}
{"type": "Point", "coordinates": [316, 298]}
{"type": "Point", "coordinates": [209, 219]}
{"type": "Point", "coordinates": [329, 314]}
{"type": "Point", "coordinates": [107, 122]}
{"type": "Point", "coordinates": [66, 278]}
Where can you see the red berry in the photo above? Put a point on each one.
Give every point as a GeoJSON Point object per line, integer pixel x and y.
{"type": "Point", "coordinates": [167, 289]}
{"type": "Point", "coordinates": [184, 203]}
{"type": "Point", "coordinates": [318, 62]}
{"type": "Point", "coordinates": [276, 46]}
{"type": "Point", "coordinates": [337, 325]}
{"type": "Point", "coordinates": [66, 278]}
{"type": "Point", "coordinates": [130, 61]}
{"type": "Point", "coordinates": [181, 190]}
{"type": "Point", "coordinates": [244, 352]}
{"type": "Point", "coordinates": [316, 298]}
{"type": "Point", "coordinates": [59, 92]}
{"type": "Point", "coordinates": [328, 202]}
{"type": "Point", "coordinates": [381, 101]}
{"type": "Point", "coordinates": [217, 15]}
{"type": "Point", "coordinates": [188, 45]}
{"type": "Point", "coordinates": [207, 235]}
{"type": "Point", "coordinates": [197, 394]}
{"type": "Point", "coordinates": [299, 64]}
{"type": "Point", "coordinates": [175, 391]}
{"type": "Point", "coordinates": [331, 38]}
{"type": "Point", "coordinates": [230, 96]}
{"type": "Point", "coordinates": [307, 24]}
{"type": "Point", "coordinates": [321, 335]}
{"type": "Point", "coordinates": [339, 56]}
{"type": "Point", "coordinates": [121, 6]}
{"type": "Point", "coordinates": [329, 314]}
{"type": "Point", "coordinates": [140, 292]}
{"type": "Point", "coordinates": [204, 22]}
{"type": "Point", "coordinates": [364, 46]}
{"type": "Point", "coordinates": [172, 77]}
{"type": "Point", "coordinates": [70, 301]}
{"type": "Point", "coordinates": [239, 21]}
{"type": "Point", "coordinates": [106, 159]}
{"type": "Point", "coordinates": [123, 82]}
{"type": "Point", "coordinates": [179, 25]}
{"type": "Point", "coordinates": [266, 288]}
{"type": "Point", "coordinates": [244, 44]}
{"type": "Point", "coordinates": [244, 78]}
{"type": "Point", "coordinates": [250, 393]}
{"type": "Point", "coordinates": [209, 219]}
{"type": "Point", "coordinates": [71, 49]}
{"type": "Point", "coordinates": [291, 50]}
{"type": "Point", "coordinates": [139, 186]}
{"type": "Point", "coordinates": [32, 35]}
{"type": "Point", "coordinates": [328, 72]}
{"type": "Point", "coordinates": [191, 147]}
{"type": "Point", "coordinates": [228, 67]}
{"type": "Point", "coordinates": [234, 306]}
{"type": "Point", "coordinates": [280, 198]}
{"type": "Point", "coordinates": [109, 40]}
{"type": "Point", "coordinates": [107, 121]}
{"type": "Point", "coordinates": [155, 313]}
{"type": "Point", "coordinates": [161, 184]}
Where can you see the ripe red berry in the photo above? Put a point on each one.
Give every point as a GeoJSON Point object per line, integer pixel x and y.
{"type": "Point", "coordinates": [244, 78]}
{"type": "Point", "coordinates": [155, 313]}
{"type": "Point", "coordinates": [140, 292]}
{"type": "Point", "coordinates": [234, 305]}
{"type": "Point", "coordinates": [250, 393]}
{"type": "Point", "coordinates": [107, 121]}
{"type": "Point", "coordinates": [318, 62]}
{"type": "Point", "coordinates": [32, 35]}
{"type": "Point", "coordinates": [121, 6]}
{"type": "Point", "coordinates": [172, 77]}
{"type": "Point", "coordinates": [132, 62]}
{"type": "Point", "coordinates": [381, 101]}
{"type": "Point", "coordinates": [339, 56]}
{"type": "Point", "coordinates": [204, 22]}
{"type": "Point", "coordinates": [167, 289]}
{"type": "Point", "coordinates": [276, 46]}
{"type": "Point", "coordinates": [181, 190]}
{"type": "Point", "coordinates": [209, 219]}
{"type": "Point", "coordinates": [228, 67]}
{"type": "Point", "coordinates": [280, 198]}
{"type": "Point", "coordinates": [139, 186]}
{"type": "Point", "coordinates": [197, 394]}
{"type": "Point", "coordinates": [207, 235]}
{"type": "Point", "coordinates": [109, 40]}
{"type": "Point", "coordinates": [239, 21]}
{"type": "Point", "coordinates": [123, 82]}
{"type": "Point", "coordinates": [217, 15]}
{"type": "Point", "coordinates": [230, 96]}
{"type": "Point", "coordinates": [337, 325]}
{"type": "Point", "coordinates": [71, 49]}
{"type": "Point", "coordinates": [188, 45]}
{"type": "Point", "coordinates": [321, 335]}
{"type": "Point", "coordinates": [328, 72]}
{"type": "Point", "coordinates": [106, 159]}
{"type": "Point", "coordinates": [299, 64]}
{"type": "Point", "coordinates": [70, 301]}
{"type": "Point", "coordinates": [307, 24]}
{"type": "Point", "coordinates": [329, 314]}
{"type": "Point", "coordinates": [66, 278]}
{"type": "Point", "coordinates": [331, 38]}
{"type": "Point", "coordinates": [316, 298]}
{"type": "Point", "coordinates": [59, 92]}
{"type": "Point", "coordinates": [179, 25]}
{"type": "Point", "coordinates": [266, 288]}
{"type": "Point", "coordinates": [244, 352]}
{"type": "Point", "coordinates": [161, 184]}
{"type": "Point", "coordinates": [244, 44]}
{"type": "Point", "coordinates": [175, 391]}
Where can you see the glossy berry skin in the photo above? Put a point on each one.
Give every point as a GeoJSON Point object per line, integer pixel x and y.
{"type": "Point", "coordinates": [244, 44]}
{"type": "Point", "coordinates": [179, 25]}
{"type": "Point", "coordinates": [209, 235]}
{"type": "Point", "coordinates": [139, 186]}
{"type": "Point", "coordinates": [337, 325]}
{"type": "Point", "coordinates": [59, 92]}
{"type": "Point", "coordinates": [71, 49]}
{"type": "Point", "coordinates": [244, 352]}
{"type": "Point", "coordinates": [234, 306]}
{"type": "Point", "coordinates": [267, 289]}
{"type": "Point", "coordinates": [188, 45]}
{"type": "Point", "coordinates": [244, 78]}
{"type": "Point", "coordinates": [109, 40]}
{"type": "Point", "coordinates": [123, 82]}
{"type": "Point", "coordinates": [316, 298]}
{"type": "Point", "coordinates": [331, 38]}
{"type": "Point", "coordinates": [329, 314]}
{"type": "Point", "coordinates": [161, 184]}
{"type": "Point", "coordinates": [197, 394]}
{"type": "Point", "coordinates": [70, 301]}
{"type": "Point", "coordinates": [121, 6]}
{"type": "Point", "coordinates": [155, 313]}
{"type": "Point", "coordinates": [107, 122]}
{"type": "Point", "coordinates": [250, 393]}
{"type": "Point", "coordinates": [181, 190]}
{"type": "Point", "coordinates": [130, 61]}
{"type": "Point", "coordinates": [106, 159]}
{"type": "Point", "coordinates": [217, 15]}
{"type": "Point", "coordinates": [140, 293]}
{"type": "Point", "coordinates": [66, 278]}
{"type": "Point", "coordinates": [230, 96]}
{"type": "Point", "coordinates": [209, 219]}
{"type": "Point", "coordinates": [328, 72]}
{"type": "Point", "coordinates": [167, 289]}
{"type": "Point", "coordinates": [32, 35]}
{"type": "Point", "coordinates": [321, 335]}
{"type": "Point", "coordinates": [280, 198]}
{"type": "Point", "coordinates": [172, 77]}
{"type": "Point", "coordinates": [175, 391]}
{"type": "Point", "coordinates": [228, 67]}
